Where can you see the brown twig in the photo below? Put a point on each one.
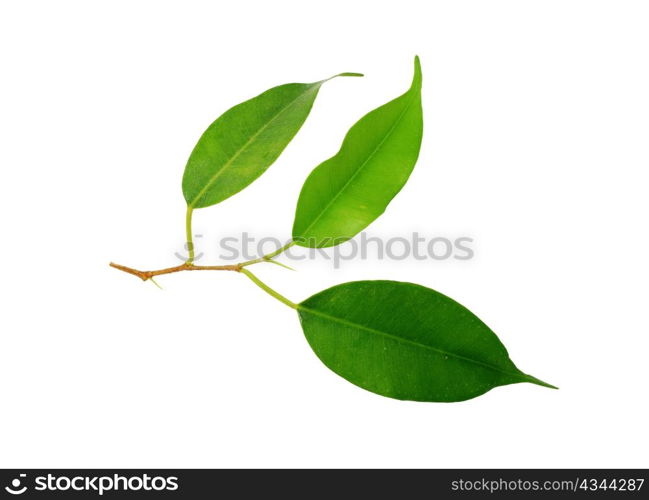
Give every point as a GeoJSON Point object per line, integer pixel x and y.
{"type": "Point", "coordinates": [146, 275]}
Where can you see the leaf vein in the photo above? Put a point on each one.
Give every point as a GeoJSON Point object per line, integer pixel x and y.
{"type": "Point", "coordinates": [407, 341]}
{"type": "Point", "coordinates": [360, 168]}
{"type": "Point", "coordinates": [244, 147]}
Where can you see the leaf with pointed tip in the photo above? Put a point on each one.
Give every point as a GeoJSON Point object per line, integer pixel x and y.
{"type": "Point", "coordinates": [344, 194]}
{"type": "Point", "coordinates": [245, 140]}
{"type": "Point", "coordinates": [406, 341]}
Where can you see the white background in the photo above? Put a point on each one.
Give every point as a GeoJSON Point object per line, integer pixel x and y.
{"type": "Point", "coordinates": [535, 144]}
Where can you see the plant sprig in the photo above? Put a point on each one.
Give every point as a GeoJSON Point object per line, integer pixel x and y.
{"type": "Point", "coordinates": [190, 266]}
{"type": "Point", "coordinates": [399, 340]}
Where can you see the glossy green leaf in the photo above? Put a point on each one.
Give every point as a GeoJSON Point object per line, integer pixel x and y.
{"type": "Point", "coordinates": [245, 140]}
{"type": "Point", "coordinates": [344, 194]}
{"type": "Point", "coordinates": [406, 341]}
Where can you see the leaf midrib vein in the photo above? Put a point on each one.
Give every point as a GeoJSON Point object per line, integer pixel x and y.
{"type": "Point", "coordinates": [244, 147]}
{"type": "Point", "coordinates": [407, 341]}
{"type": "Point", "coordinates": [360, 168]}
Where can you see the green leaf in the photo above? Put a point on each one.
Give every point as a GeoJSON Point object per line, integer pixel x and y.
{"type": "Point", "coordinates": [344, 194]}
{"type": "Point", "coordinates": [245, 140]}
{"type": "Point", "coordinates": [406, 341]}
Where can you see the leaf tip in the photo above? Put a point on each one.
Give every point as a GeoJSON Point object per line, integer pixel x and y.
{"type": "Point", "coordinates": [534, 380]}
{"type": "Point", "coordinates": [342, 74]}
{"type": "Point", "coordinates": [416, 80]}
